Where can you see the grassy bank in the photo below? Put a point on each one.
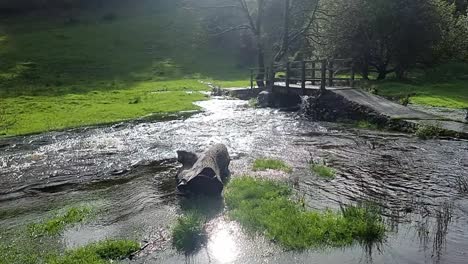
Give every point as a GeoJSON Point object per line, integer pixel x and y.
{"type": "Point", "coordinates": [33, 114]}
{"type": "Point", "coordinates": [442, 86]}
{"type": "Point", "coordinates": [264, 206]}
{"type": "Point", "coordinates": [105, 65]}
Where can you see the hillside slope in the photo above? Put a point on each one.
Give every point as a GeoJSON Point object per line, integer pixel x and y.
{"type": "Point", "coordinates": [103, 65]}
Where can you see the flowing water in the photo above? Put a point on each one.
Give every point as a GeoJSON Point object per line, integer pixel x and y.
{"type": "Point", "coordinates": [128, 172]}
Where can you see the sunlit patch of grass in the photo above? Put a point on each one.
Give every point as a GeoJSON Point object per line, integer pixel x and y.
{"type": "Point", "coordinates": [450, 93]}
{"type": "Point", "coordinates": [323, 171]}
{"type": "Point", "coordinates": [32, 114]}
{"type": "Point", "coordinates": [271, 164]}
{"type": "Point", "coordinates": [264, 206]}
{"type": "Point", "coordinates": [188, 233]}
{"type": "Point", "coordinates": [97, 253]}
{"type": "Point", "coordinates": [59, 222]}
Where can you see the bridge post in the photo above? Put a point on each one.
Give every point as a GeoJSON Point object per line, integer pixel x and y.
{"type": "Point", "coordinates": [313, 73]}
{"type": "Point", "coordinates": [324, 75]}
{"type": "Point", "coordinates": [288, 66]}
{"type": "Point", "coordinates": [303, 77]}
{"type": "Point", "coordinates": [330, 73]}
{"type": "Point", "coordinates": [353, 73]}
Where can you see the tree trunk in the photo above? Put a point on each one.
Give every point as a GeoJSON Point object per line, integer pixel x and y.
{"type": "Point", "coordinates": [400, 73]}
{"type": "Point", "coordinates": [205, 173]}
{"type": "Point", "coordinates": [382, 75]}
{"type": "Point", "coordinates": [260, 50]}
{"type": "Point", "coordinates": [261, 67]}
{"type": "Point", "coordinates": [365, 72]}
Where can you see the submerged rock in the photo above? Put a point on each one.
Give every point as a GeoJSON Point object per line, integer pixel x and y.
{"type": "Point", "coordinates": [263, 99]}
{"type": "Point", "coordinates": [204, 173]}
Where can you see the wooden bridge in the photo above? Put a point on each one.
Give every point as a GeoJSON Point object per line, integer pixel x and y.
{"type": "Point", "coordinates": [338, 76]}
{"type": "Point", "coordinates": [300, 76]}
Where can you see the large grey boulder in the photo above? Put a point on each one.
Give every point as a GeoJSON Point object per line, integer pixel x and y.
{"type": "Point", "coordinates": [204, 173]}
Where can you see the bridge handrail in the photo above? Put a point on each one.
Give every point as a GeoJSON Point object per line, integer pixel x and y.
{"type": "Point", "coordinates": [323, 66]}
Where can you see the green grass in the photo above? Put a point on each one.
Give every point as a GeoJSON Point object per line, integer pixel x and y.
{"type": "Point", "coordinates": [323, 171]}
{"type": "Point", "coordinates": [441, 86]}
{"type": "Point", "coordinates": [264, 164]}
{"type": "Point", "coordinates": [55, 75]}
{"type": "Point", "coordinates": [451, 94]}
{"type": "Point", "coordinates": [97, 253]}
{"type": "Point", "coordinates": [33, 114]}
{"type": "Point", "coordinates": [59, 222]}
{"type": "Point", "coordinates": [188, 233]}
{"type": "Point", "coordinates": [264, 206]}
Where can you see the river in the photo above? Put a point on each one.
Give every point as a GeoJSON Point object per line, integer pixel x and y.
{"type": "Point", "coordinates": [128, 171]}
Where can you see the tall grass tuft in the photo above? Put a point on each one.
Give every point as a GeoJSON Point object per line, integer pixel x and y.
{"type": "Point", "coordinates": [188, 233]}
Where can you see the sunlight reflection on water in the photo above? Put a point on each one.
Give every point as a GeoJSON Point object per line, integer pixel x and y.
{"type": "Point", "coordinates": [222, 242]}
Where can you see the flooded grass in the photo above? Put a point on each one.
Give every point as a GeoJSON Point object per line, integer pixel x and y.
{"type": "Point", "coordinates": [38, 243]}
{"type": "Point", "coordinates": [188, 233]}
{"type": "Point", "coordinates": [58, 223]}
{"type": "Point", "coordinates": [264, 206]}
{"type": "Point", "coordinates": [253, 103]}
{"type": "Point", "coordinates": [97, 253]}
{"type": "Point", "coordinates": [264, 164]}
{"type": "Point", "coordinates": [365, 124]}
{"type": "Point", "coordinates": [323, 171]}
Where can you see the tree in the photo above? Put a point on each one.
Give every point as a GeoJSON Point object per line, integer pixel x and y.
{"type": "Point", "coordinates": [453, 44]}
{"type": "Point", "coordinates": [275, 25]}
{"type": "Point", "coordinates": [380, 35]}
